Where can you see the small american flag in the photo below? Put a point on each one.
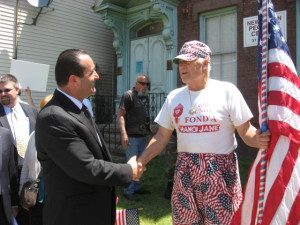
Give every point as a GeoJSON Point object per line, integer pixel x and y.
{"type": "Point", "coordinates": [127, 217]}
{"type": "Point", "coordinates": [278, 201]}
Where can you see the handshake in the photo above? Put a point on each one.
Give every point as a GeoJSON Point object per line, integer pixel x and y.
{"type": "Point", "coordinates": [137, 166]}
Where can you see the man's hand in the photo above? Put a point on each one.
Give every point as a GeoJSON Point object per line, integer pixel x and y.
{"type": "Point", "coordinates": [254, 137]}
{"type": "Point", "coordinates": [15, 211]}
{"type": "Point", "coordinates": [137, 168]}
{"type": "Point", "coordinates": [141, 166]}
{"type": "Point", "coordinates": [28, 91]}
{"type": "Point", "coordinates": [263, 139]}
{"type": "Point", "coordinates": [29, 97]}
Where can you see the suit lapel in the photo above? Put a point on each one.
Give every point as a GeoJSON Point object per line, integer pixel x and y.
{"type": "Point", "coordinates": [3, 118]}
{"type": "Point", "coordinates": [82, 118]}
{"type": "Point", "coordinates": [96, 133]}
{"type": "Point", "coordinates": [104, 145]}
{"type": "Point", "coordinates": [74, 111]}
{"type": "Point", "coordinates": [29, 113]}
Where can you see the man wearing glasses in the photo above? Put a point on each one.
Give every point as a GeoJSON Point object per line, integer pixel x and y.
{"type": "Point", "coordinates": [133, 120]}
{"type": "Point", "coordinates": [20, 119]}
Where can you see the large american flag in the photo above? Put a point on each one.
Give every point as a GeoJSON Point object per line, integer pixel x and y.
{"type": "Point", "coordinates": [278, 172]}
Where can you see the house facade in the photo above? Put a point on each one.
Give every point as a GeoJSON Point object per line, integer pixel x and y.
{"type": "Point", "coordinates": [149, 33]}
{"type": "Point", "coordinates": [38, 35]}
{"type": "Point", "coordinates": [129, 37]}
{"type": "Point", "coordinates": [230, 28]}
{"type": "Point", "coordinates": [145, 40]}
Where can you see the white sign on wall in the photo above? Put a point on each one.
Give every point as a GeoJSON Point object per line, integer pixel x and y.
{"type": "Point", "coordinates": [251, 28]}
{"type": "Point", "coordinates": [30, 74]}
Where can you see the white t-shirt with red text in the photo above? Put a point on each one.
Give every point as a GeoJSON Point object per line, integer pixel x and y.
{"type": "Point", "coordinates": [219, 108]}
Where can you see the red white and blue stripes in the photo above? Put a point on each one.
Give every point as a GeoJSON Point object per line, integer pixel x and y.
{"type": "Point", "coordinates": [206, 189]}
{"type": "Point", "coordinates": [281, 204]}
{"type": "Point", "coordinates": [127, 217]}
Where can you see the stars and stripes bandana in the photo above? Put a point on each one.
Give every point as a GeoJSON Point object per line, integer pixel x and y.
{"type": "Point", "coordinates": [193, 50]}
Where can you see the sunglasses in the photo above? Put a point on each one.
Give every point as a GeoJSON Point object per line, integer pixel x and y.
{"type": "Point", "coordinates": [5, 90]}
{"type": "Point", "coordinates": [143, 83]}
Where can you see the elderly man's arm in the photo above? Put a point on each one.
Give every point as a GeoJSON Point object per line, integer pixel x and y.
{"type": "Point", "coordinates": [254, 137]}
{"type": "Point", "coordinates": [156, 145]}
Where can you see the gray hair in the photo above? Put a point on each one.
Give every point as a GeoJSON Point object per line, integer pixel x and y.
{"type": "Point", "coordinates": [201, 60]}
{"type": "Point", "coordinates": [142, 75]}
{"type": "Point", "coordinates": [9, 77]}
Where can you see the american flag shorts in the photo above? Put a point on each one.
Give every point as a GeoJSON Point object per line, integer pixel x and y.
{"type": "Point", "coordinates": [207, 189]}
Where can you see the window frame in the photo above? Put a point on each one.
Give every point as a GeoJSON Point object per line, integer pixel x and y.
{"type": "Point", "coordinates": [202, 28]}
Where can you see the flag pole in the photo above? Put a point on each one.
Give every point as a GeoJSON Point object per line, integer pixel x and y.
{"type": "Point", "coordinates": [263, 105]}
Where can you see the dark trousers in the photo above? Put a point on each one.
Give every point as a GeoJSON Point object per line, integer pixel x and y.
{"type": "Point", "coordinates": [3, 219]}
{"type": "Point", "coordinates": [23, 215]}
{"type": "Point", "coordinates": [36, 214]}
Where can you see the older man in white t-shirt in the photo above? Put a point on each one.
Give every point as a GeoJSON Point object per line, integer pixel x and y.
{"type": "Point", "coordinates": [205, 114]}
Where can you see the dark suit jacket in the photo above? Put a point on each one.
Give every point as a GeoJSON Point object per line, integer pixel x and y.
{"type": "Point", "coordinates": [79, 175]}
{"type": "Point", "coordinates": [29, 110]}
{"type": "Point", "coordinates": [8, 177]}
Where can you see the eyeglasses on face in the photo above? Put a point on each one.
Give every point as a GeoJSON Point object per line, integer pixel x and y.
{"type": "Point", "coordinates": [5, 90]}
{"type": "Point", "coordinates": [144, 83]}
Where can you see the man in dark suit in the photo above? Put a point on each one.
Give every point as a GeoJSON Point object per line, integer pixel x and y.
{"type": "Point", "coordinates": [10, 105]}
{"type": "Point", "coordinates": [79, 175]}
{"type": "Point", "coordinates": [9, 101]}
{"type": "Point", "coordinates": [8, 178]}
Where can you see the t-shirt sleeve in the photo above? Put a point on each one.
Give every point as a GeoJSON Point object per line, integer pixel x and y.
{"type": "Point", "coordinates": [238, 108]}
{"type": "Point", "coordinates": [125, 102]}
{"type": "Point", "coordinates": [164, 117]}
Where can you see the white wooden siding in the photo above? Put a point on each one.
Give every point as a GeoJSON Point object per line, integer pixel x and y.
{"type": "Point", "coordinates": [72, 24]}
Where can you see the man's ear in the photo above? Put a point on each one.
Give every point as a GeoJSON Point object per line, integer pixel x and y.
{"type": "Point", "coordinates": [207, 60]}
{"type": "Point", "coordinates": [18, 89]}
{"type": "Point", "coordinates": [74, 80]}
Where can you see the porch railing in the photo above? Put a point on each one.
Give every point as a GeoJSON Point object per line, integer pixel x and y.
{"type": "Point", "coordinates": [105, 110]}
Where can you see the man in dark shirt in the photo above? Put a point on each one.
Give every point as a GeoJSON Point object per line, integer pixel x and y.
{"type": "Point", "coordinates": [133, 120]}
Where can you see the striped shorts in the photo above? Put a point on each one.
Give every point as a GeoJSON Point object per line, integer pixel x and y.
{"type": "Point", "coordinates": [207, 189]}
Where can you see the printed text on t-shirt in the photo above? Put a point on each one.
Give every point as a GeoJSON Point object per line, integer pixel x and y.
{"type": "Point", "coordinates": [199, 129]}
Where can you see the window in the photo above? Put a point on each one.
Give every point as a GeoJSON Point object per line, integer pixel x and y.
{"type": "Point", "coordinates": [152, 29]}
{"type": "Point", "coordinates": [218, 31]}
